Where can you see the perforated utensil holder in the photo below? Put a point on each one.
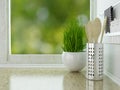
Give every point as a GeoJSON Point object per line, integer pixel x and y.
{"type": "Point", "coordinates": [94, 61]}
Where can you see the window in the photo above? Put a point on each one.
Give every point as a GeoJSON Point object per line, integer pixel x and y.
{"type": "Point", "coordinates": [11, 51]}
{"type": "Point", "coordinates": [37, 25]}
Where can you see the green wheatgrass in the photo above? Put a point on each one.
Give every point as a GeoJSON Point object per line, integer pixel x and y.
{"type": "Point", "coordinates": [74, 37]}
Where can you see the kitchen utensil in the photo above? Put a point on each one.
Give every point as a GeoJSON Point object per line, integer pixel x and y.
{"type": "Point", "coordinates": [89, 31]}
{"type": "Point", "coordinates": [94, 61]}
{"type": "Point", "coordinates": [103, 29]}
{"type": "Point", "coordinates": [94, 51]}
{"type": "Point", "coordinates": [96, 29]}
{"type": "Point", "coordinates": [93, 29]}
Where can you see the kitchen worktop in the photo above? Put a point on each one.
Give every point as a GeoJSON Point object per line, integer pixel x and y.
{"type": "Point", "coordinates": [50, 79]}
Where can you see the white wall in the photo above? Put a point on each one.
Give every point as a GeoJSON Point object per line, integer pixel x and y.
{"type": "Point", "coordinates": [111, 51]}
{"type": "Point", "coordinates": [104, 4]}
{"type": "Point", "coordinates": [112, 61]}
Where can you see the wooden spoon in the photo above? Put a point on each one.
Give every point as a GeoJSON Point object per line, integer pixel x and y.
{"type": "Point", "coordinates": [96, 29]}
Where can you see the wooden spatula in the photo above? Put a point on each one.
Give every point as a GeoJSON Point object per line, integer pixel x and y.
{"type": "Point", "coordinates": [89, 31]}
{"type": "Point", "coordinates": [103, 29]}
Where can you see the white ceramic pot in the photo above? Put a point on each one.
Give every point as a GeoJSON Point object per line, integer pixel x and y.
{"type": "Point", "coordinates": [74, 61]}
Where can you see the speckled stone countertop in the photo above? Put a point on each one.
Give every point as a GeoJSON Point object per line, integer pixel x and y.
{"type": "Point", "coordinates": [50, 79]}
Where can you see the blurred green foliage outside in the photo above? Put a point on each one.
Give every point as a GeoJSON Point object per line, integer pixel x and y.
{"type": "Point", "coordinates": [37, 25]}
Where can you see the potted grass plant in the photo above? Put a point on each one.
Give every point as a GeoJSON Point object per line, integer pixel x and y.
{"type": "Point", "coordinates": [74, 43]}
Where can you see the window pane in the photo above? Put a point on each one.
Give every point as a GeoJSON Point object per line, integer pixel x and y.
{"type": "Point", "coordinates": [37, 25]}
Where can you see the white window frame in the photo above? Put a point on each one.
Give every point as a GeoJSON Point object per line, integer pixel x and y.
{"type": "Point", "coordinates": [5, 38]}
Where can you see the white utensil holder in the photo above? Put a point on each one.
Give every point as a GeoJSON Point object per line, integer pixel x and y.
{"type": "Point", "coordinates": [94, 61]}
{"type": "Point", "coordinates": [94, 85]}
